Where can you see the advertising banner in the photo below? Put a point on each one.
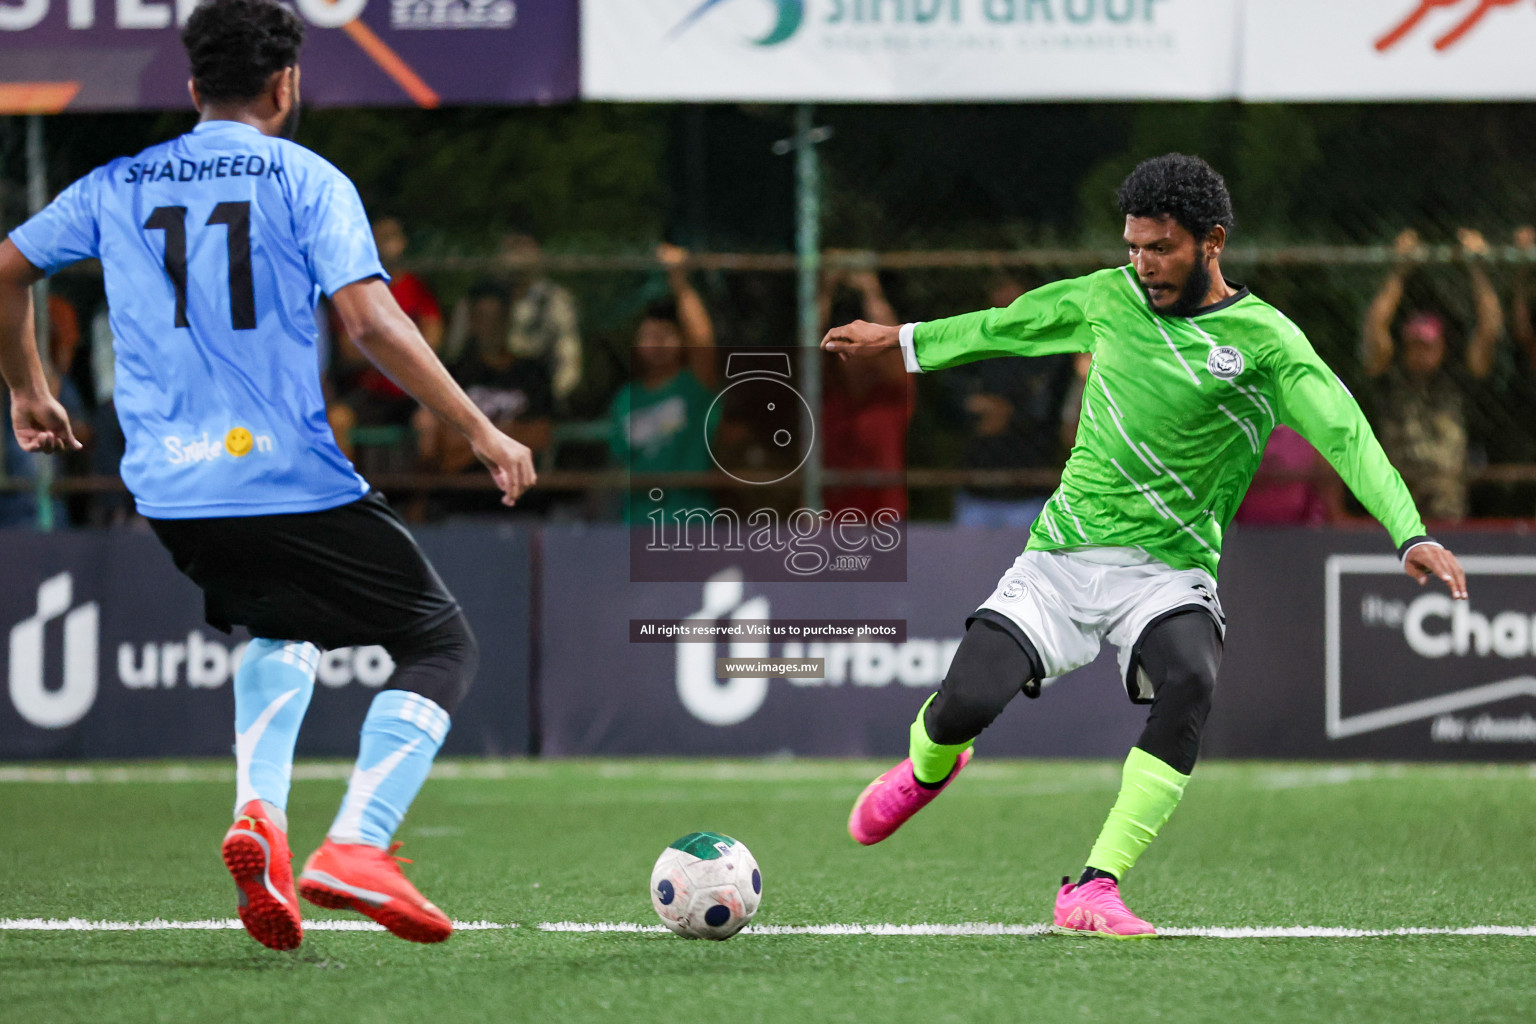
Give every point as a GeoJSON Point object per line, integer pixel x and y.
{"type": "Point", "coordinates": [108, 655]}
{"type": "Point", "coordinates": [602, 694]}
{"type": "Point", "coordinates": [1338, 655]}
{"type": "Point", "coordinates": [98, 55]}
{"type": "Point", "coordinates": [1341, 655]}
{"type": "Point", "coordinates": [905, 50]}
{"type": "Point", "coordinates": [1388, 50]}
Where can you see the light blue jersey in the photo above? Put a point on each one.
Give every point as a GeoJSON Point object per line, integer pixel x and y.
{"type": "Point", "coordinates": [215, 248]}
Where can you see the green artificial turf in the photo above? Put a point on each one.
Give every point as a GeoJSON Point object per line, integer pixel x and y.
{"type": "Point", "coordinates": [1257, 845]}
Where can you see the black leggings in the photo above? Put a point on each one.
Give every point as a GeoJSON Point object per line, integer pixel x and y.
{"type": "Point", "coordinates": [439, 664]}
{"type": "Point", "coordinates": [1180, 655]}
{"type": "Point", "coordinates": [991, 667]}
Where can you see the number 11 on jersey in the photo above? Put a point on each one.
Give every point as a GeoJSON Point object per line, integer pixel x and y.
{"type": "Point", "coordinates": [236, 217]}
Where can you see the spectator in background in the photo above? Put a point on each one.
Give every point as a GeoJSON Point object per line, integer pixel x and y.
{"type": "Point", "coordinates": [1421, 415]}
{"type": "Point", "coordinates": [1521, 393]}
{"type": "Point", "coordinates": [64, 354]}
{"type": "Point", "coordinates": [365, 396]}
{"type": "Point", "coordinates": [513, 392]}
{"type": "Point", "coordinates": [695, 326]}
{"type": "Point", "coordinates": [543, 326]}
{"type": "Point", "coordinates": [19, 467]}
{"type": "Point", "coordinates": [1013, 411]}
{"type": "Point", "coordinates": [1294, 486]}
{"type": "Point", "coordinates": [63, 347]}
{"type": "Point", "coordinates": [1523, 312]}
{"type": "Point", "coordinates": [866, 403]}
{"type": "Point", "coordinates": [63, 332]}
{"type": "Point", "coordinates": [107, 450]}
{"type": "Point", "coordinates": [657, 420]}
{"type": "Point", "coordinates": [410, 291]}
{"type": "Point", "coordinates": [18, 508]}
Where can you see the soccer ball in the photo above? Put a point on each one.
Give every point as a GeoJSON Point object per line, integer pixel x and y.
{"type": "Point", "coordinates": [706, 886]}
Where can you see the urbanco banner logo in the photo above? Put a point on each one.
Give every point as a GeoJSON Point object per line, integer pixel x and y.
{"type": "Point", "coordinates": [56, 664]}
{"type": "Point", "coordinates": [845, 655]}
{"type": "Point", "coordinates": [35, 701]}
{"type": "Point", "coordinates": [735, 699]}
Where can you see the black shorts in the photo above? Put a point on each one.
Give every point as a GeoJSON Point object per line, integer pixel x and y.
{"type": "Point", "coordinates": [347, 576]}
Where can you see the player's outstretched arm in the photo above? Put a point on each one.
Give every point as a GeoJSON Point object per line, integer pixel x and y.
{"type": "Point", "coordinates": [1483, 346]}
{"type": "Point", "coordinates": [40, 422]}
{"type": "Point", "coordinates": [1430, 559]}
{"type": "Point", "coordinates": [1314, 402]}
{"type": "Point", "coordinates": [391, 341]}
{"type": "Point", "coordinates": [1046, 321]}
{"type": "Point", "coordinates": [861, 338]}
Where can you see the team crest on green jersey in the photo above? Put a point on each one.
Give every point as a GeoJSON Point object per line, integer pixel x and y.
{"type": "Point", "coordinates": [1224, 362]}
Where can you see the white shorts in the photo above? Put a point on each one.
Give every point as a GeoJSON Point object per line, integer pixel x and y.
{"type": "Point", "coordinates": [1068, 602]}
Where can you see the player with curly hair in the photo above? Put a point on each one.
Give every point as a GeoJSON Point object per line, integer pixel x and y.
{"type": "Point", "coordinates": [214, 248]}
{"type": "Point", "coordinates": [1190, 373]}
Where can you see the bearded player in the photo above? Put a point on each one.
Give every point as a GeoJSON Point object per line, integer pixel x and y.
{"type": "Point", "coordinates": [215, 247]}
{"type": "Point", "coordinates": [1190, 374]}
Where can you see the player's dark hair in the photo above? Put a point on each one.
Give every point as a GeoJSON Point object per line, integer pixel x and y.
{"type": "Point", "coordinates": [662, 309]}
{"type": "Point", "coordinates": [236, 45]}
{"type": "Point", "coordinates": [1185, 188]}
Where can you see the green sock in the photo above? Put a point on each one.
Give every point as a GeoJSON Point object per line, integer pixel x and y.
{"type": "Point", "coordinates": [932, 762]}
{"type": "Point", "coordinates": [1149, 791]}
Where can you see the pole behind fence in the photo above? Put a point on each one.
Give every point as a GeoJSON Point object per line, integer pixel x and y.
{"type": "Point", "coordinates": [808, 258]}
{"type": "Point", "coordinates": [37, 198]}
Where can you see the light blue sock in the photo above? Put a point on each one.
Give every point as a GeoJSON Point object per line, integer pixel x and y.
{"type": "Point", "coordinates": [272, 690]}
{"type": "Point", "coordinates": [401, 736]}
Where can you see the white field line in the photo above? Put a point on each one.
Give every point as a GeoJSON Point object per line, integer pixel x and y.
{"type": "Point", "coordinates": [817, 929]}
{"type": "Point", "coordinates": [492, 771]}
{"type": "Point", "coordinates": [1286, 776]}
{"type": "Point", "coordinates": [77, 924]}
{"type": "Point", "coordinates": [80, 924]}
{"type": "Point", "coordinates": [1326, 775]}
{"type": "Point", "coordinates": [984, 928]}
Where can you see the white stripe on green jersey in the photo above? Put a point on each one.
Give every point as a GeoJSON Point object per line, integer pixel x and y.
{"type": "Point", "coordinates": [1176, 413]}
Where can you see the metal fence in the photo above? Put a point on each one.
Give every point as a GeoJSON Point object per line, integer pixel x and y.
{"type": "Point", "coordinates": [751, 298]}
{"type": "Point", "coordinates": [945, 205]}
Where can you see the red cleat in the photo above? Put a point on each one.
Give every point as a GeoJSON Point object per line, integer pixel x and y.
{"type": "Point", "coordinates": [256, 853]}
{"type": "Point", "coordinates": [354, 876]}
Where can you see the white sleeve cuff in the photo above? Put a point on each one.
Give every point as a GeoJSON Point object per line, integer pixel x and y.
{"type": "Point", "coordinates": [1426, 542]}
{"type": "Point", "coordinates": [909, 348]}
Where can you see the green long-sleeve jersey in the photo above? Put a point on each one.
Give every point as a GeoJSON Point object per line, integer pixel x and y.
{"type": "Point", "coordinates": [1176, 412]}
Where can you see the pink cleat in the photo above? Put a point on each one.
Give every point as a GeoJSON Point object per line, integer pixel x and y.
{"type": "Point", "coordinates": [887, 803]}
{"type": "Point", "coordinates": [1097, 909]}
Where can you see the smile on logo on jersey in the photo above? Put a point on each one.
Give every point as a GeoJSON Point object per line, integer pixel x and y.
{"type": "Point", "coordinates": [239, 442]}
{"type": "Point", "coordinates": [1013, 589]}
{"type": "Point", "coordinates": [1224, 362]}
